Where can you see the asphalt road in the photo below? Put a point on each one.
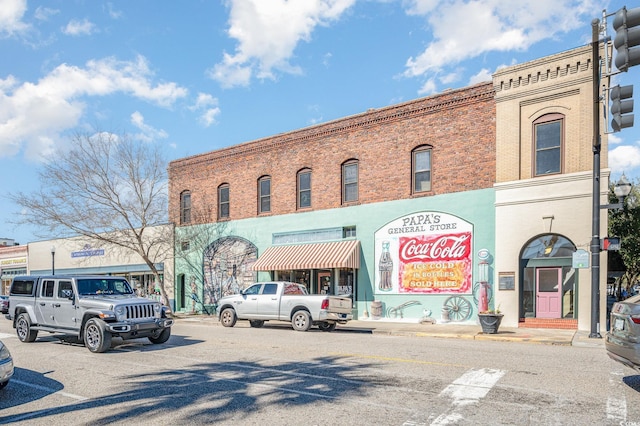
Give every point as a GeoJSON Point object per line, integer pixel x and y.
{"type": "Point", "coordinates": [208, 374]}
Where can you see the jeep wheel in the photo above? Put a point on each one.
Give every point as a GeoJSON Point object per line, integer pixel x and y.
{"type": "Point", "coordinates": [301, 321]}
{"type": "Point", "coordinates": [23, 329]}
{"type": "Point", "coordinates": [162, 337]}
{"type": "Point", "coordinates": [228, 317]}
{"type": "Point", "coordinates": [96, 337]}
{"type": "Point", "coordinates": [327, 326]}
{"type": "Point", "coordinates": [256, 323]}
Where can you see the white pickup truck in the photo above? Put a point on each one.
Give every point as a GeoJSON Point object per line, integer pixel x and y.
{"type": "Point", "coordinates": [284, 301]}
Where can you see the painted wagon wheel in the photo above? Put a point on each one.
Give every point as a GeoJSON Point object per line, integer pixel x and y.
{"type": "Point", "coordinates": [459, 308]}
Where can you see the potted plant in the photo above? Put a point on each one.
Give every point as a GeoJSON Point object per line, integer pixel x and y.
{"type": "Point", "coordinates": [490, 320]}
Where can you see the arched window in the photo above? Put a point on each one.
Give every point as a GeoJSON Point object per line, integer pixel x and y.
{"type": "Point", "coordinates": [185, 207]}
{"type": "Point", "coordinates": [548, 138]}
{"type": "Point", "coordinates": [421, 169]}
{"type": "Point", "coordinates": [264, 194]}
{"type": "Point", "coordinates": [223, 201]}
{"type": "Point", "coordinates": [350, 181]}
{"type": "Point", "coordinates": [304, 188]}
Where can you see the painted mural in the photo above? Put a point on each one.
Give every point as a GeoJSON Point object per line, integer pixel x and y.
{"type": "Point", "coordinates": [227, 268]}
{"type": "Point", "coordinates": [424, 253]}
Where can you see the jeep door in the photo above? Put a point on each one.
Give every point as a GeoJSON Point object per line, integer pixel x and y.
{"type": "Point", "coordinates": [65, 314]}
{"type": "Point", "coordinates": [45, 309]}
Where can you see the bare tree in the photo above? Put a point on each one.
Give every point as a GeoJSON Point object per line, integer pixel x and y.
{"type": "Point", "coordinates": [108, 189]}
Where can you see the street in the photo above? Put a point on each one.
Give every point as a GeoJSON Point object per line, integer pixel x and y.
{"type": "Point", "coordinates": [209, 374]}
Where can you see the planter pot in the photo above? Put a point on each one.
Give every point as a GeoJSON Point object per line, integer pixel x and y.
{"type": "Point", "coordinates": [490, 322]}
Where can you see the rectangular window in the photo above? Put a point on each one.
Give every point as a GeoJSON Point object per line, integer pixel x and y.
{"type": "Point", "coordinates": [421, 171]}
{"type": "Point", "coordinates": [349, 232]}
{"type": "Point", "coordinates": [547, 144]}
{"type": "Point", "coordinates": [265, 195]}
{"type": "Point", "coordinates": [47, 289]}
{"type": "Point", "coordinates": [350, 182]}
{"type": "Point", "coordinates": [185, 207]}
{"type": "Point", "coordinates": [62, 286]}
{"type": "Point", "coordinates": [304, 189]}
{"type": "Point", "coordinates": [223, 202]}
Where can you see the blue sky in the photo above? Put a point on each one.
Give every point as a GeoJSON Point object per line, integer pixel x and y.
{"type": "Point", "coordinates": [198, 75]}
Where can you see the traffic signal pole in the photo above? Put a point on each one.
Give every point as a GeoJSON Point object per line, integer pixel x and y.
{"type": "Point", "coordinates": [595, 218]}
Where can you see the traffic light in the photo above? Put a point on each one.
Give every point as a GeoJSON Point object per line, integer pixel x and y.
{"type": "Point", "coordinates": [621, 106]}
{"type": "Point", "coordinates": [626, 23]}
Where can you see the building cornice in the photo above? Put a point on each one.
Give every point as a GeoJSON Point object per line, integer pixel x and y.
{"type": "Point", "coordinates": [447, 100]}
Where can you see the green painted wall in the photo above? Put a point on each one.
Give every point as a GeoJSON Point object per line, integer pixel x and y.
{"type": "Point", "coordinates": [476, 207]}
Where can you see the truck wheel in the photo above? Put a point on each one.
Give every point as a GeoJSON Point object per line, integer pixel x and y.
{"type": "Point", "coordinates": [256, 323]}
{"type": "Point", "coordinates": [23, 329]}
{"type": "Point", "coordinates": [301, 321]}
{"type": "Point", "coordinates": [162, 337]}
{"type": "Point", "coordinates": [327, 326]}
{"type": "Point", "coordinates": [228, 317]}
{"type": "Point", "coordinates": [96, 337]}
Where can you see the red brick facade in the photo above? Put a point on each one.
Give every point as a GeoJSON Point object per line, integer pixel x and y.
{"type": "Point", "coordinates": [458, 124]}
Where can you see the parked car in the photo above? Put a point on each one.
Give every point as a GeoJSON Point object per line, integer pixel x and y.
{"type": "Point", "coordinates": [284, 301]}
{"type": "Point", "coordinates": [623, 339]}
{"type": "Point", "coordinates": [4, 304]}
{"type": "Point", "coordinates": [6, 366]}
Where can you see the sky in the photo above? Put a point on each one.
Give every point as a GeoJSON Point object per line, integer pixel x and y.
{"type": "Point", "coordinates": [198, 75]}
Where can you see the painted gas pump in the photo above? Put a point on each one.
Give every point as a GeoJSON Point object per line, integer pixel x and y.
{"type": "Point", "coordinates": [482, 289]}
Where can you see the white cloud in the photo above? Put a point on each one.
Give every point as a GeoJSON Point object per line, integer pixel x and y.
{"type": "Point", "coordinates": [482, 76]}
{"type": "Point", "coordinates": [33, 115]}
{"type": "Point", "coordinates": [613, 139]}
{"type": "Point", "coordinates": [207, 105]}
{"type": "Point", "coordinates": [428, 88]}
{"type": "Point", "coordinates": [44, 13]}
{"type": "Point", "coordinates": [624, 157]}
{"type": "Point", "coordinates": [148, 133]}
{"type": "Point", "coordinates": [464, 29]}
{"type": "Point", "coordinates": [75, 28]}
{"type": "Point", "coordinates": [268, 32]}
{"type": "Point", "coordinates": [113, 13]}
{"type": "Point", "coordinates": [11, 13]}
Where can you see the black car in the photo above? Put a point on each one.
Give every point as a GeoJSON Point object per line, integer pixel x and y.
{"type": "Point", "coordinates": [623, 339]}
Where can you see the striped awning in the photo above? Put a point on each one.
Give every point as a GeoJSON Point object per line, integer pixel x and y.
{"type": "Point", "coordinates": [338, 254]}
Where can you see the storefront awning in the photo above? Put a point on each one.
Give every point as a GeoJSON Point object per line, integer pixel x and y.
{"type": "Point", "coordinates": [338, 254]}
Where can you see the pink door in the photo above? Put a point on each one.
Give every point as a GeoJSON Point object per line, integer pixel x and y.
{"type": "Point", "coordinates": [549, 293]}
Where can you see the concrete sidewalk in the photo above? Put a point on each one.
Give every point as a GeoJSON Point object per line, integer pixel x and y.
{"type": "Point", "coordinates": [446, 331]}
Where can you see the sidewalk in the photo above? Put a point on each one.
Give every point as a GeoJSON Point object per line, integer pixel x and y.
{"type": "Point", "coordinates": [446, 331]}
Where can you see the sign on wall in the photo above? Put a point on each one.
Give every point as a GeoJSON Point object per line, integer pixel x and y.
{"type": "Point", "coordinates": [424, 253]}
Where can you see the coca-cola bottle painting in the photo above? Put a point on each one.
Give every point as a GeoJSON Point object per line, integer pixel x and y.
{"type": "Point", "coordinates": [385, 266]}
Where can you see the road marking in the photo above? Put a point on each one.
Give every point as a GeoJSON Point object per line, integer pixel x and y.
{"type": "Point", "coordinates": [386, 358]}
{"type": "Point", "coordinates": [616, 402]}
{"type": "Point", "coordinates": [6, 335]}
{"type": "Point", "coordinates": [468, 389]}
{"type": "Point", "coordinates": [50, 390]}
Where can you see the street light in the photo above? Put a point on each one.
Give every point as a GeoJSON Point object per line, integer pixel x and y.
{"type": "Point", "coordinates": [53, 260]}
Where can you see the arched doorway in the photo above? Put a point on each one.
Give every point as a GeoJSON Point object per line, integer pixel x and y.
{"type": "Point", "coordinates": [548, 285]}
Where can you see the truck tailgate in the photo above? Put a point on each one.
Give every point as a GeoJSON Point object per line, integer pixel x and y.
{"type": "Point", "coordinates": [341, 305]}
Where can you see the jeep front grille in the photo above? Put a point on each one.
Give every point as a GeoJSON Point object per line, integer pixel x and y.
{"type": "Point", "coordinates": [140, 311]}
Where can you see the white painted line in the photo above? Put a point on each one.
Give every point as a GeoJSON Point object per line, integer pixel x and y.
{"type": "Point", "coordinates": [6, 335]}
{"type": "Point", "coordinates": [616, 402]}
{"type": "Point", "coordinates": [472, 386]}
{"type": "Point", "coordinates": [467, 389]}
{"type": "Point", "coordinates": [50, 390]}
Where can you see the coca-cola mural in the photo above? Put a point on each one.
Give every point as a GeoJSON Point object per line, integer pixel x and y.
{"type": "Point", "coordinates": [424, 253]}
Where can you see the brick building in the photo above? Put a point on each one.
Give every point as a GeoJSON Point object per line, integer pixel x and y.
{"type": "Point", "coordinates": [313, 205]}
{"type": "Point", "coordinates": [439, 207]}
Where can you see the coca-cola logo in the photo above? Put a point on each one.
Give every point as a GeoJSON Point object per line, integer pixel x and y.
{"type": "Point", "coordinates": [435, 248]}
